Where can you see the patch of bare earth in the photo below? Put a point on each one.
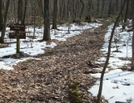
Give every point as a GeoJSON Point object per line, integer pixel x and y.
{"type": "Point", "coordinates": [47, 80]}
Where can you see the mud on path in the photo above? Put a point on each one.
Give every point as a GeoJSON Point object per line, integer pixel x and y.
{"type": "Point", "coordinates": [47, 79]}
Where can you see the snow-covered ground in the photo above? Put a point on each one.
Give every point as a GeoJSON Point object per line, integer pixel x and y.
{"type": "Point", "coordinates": [118, 85]}
{"type": "Point", "coordinates": [33, 47]}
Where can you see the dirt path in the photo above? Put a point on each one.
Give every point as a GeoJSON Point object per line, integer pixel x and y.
{"type": "Point", "coordinates": [48, 79]}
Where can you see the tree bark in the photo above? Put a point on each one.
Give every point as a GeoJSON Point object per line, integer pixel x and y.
{"type": "Point", "coordinates": [108, 55]}
{"type": "Point", "coordinates": [132, 61]}
{"type": "Point", "coordinates": [54, 26]}
{"type": "Point", "coordinates": [4, 23]}
{"type": "Point", "coordinates": [82, 8]}
{"type": "Point", "coordinates": [98, 6]}
{"type": "Point", "coordinates": [41, 7]}
{"type": "Point", "coordinates": [109, 9]}
{"type": "Point", "coordinates": [102, 9]}
{"type": "Point", "coordinates": [1, 16]}
{"type": "Point", "coordinates": [20, 10]}
{"type": "Point", "coordinates": [126, 15]}
{"type": "Point", "coordinates": [46, 35]}
{"type": "Point", "coordinates": [24, 16]}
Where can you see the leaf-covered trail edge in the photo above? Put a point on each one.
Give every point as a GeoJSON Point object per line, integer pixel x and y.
{"type": "Point", "coordinates": [47, 79]}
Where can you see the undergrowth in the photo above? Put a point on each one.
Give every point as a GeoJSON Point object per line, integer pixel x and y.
{"type": "Point", "coordinates": [74, 95]}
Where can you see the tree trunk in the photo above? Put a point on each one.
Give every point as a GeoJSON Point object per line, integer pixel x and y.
{"type": "Point", "coordinates": [109, 9]}
{"type": "Point", "coordinates": [24, 16]}
{"type": "Point", "coordinates": [132, 61]}
{"type": "Point", "coordinates": [1, 18]}
{"type": "Point", "coordinates": [41, 7]}
{"type": "Point", "coordinates": [4, 23]}
{"type": "Point", "coordinates": [102, 8]}
{"type": "Point", "coordinates": [98, 6]}
{"type": "Point", "coordinates": [46, 35]}
{"type": "Point", "coordinates": [126, 15]}
{"type": "Point", "coordinates": [20, 10]}
{"type": "Point", "coordinates": [89, 11]}
{"type": "Point", "coordinates": [108, 55]}
{"type": "Point", "coordinates": [82, 8]}
{"type": "Point", "coordinates": [54, 26]}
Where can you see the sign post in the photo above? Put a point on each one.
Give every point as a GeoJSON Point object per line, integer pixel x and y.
{"type": "Point", "coordinates": [19, 34]}
{"type": "Point", "coordinates": [18, 45]}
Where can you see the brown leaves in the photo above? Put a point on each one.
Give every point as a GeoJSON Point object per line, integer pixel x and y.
{"type": "Point", "coordinates": [47, 80]}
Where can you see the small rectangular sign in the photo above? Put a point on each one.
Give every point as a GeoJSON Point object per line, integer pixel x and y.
{"type": "Point", "coordinates": [19, 35]}
{"type": "Point", "coordinates": [17, 27]}
{"type": "Point", "coordinates": [12, 35]}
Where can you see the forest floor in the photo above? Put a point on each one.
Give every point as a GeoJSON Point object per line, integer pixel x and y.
{"type": "Point", "coordinates": [60, 75]}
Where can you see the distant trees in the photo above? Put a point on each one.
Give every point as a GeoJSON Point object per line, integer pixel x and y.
{"type": "Point", "coordinates": [58, 11]}
{"type": "Point", "coordinates": [79, 9]}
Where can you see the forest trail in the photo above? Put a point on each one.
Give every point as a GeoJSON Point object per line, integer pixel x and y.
{"type": "Point", "coordinates": [47, 79]}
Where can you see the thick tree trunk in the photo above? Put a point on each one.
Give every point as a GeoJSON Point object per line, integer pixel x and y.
{"type": "Point", "coordinates": [4, 23]}
{"type": "Point", "coordinates": [46, 35]}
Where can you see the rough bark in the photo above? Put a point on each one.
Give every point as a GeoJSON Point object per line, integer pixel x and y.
{"type": "Point", "coordinates": [46, 35]}
{"type": "Point", "coordinates": [20, 10]}
{"type": "Point", "coordinates": [41, 7]}
{"type": "Point", "coordinates": [24, 16]}
{"type": "Point", "coordinates": [4, 23]}
{"type": "Point", "coordinates": [126, 15]}
{"type": "Point", "coordinates": [98, 6]}
{"type": "Point", "coordinates": [82, 8]}
{"type": "Point", "coordinates": [54, 26]}
{"type": "Point", "coordinates": [109, 9]}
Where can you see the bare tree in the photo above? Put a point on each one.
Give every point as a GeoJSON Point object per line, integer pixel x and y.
{"type": "Point", "coordinates": [82, 8]}
{"type": "Point", "coordinates": [46, 35]}
{"type": "Point", "coordinates": [25, 9]}
{"type": "Point", "coordinates": [41, 7]}
{"type": "Point", "coordinates": [4, 22]}
{"type": "Point", "coordinates": [20, 10]}
{"type": "Point", "coordinates": [54, 26]}
{"type": "Point", "coordinates": [126, 15]}
{"type": "Point", "coordinates": [98, 6]}
{"type": "Point", "coordinates": [108, 55]}
{"type": "Point", "coordinates": [132, 61]}
{"type": "Point", "coordinates": [1, 18]}
{"type": "Point", "coordinates": [110, 9]}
